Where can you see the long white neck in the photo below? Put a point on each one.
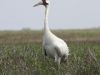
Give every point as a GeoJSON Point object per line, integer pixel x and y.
{"type": "Point", "coordinates": [46, 27]}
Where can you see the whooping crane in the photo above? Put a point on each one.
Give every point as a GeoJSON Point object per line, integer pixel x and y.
{"type": "Point", "coordinates": [52, 45]}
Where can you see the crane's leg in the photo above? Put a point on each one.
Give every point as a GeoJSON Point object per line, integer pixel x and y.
{"type": "Point", "coordinates": [56, 57]}
{"type": "Point", "coordinates": [66, 58]}
{"type": "Point", "coordinates": [57, 60]}
{"type": "Point", "coordinates": [45, 52]}
{"type": "Point", "coordinates": [58, 64]}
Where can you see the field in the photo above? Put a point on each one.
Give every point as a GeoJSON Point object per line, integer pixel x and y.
{"type": "Point", "coordinates": [21, 53]}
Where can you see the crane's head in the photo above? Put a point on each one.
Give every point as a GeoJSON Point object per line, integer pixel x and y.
{"type": "Point", "coordinates": [43, 2]}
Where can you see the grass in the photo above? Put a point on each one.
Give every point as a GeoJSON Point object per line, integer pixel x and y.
{"type": "Point", "coordinates": [21, 53]}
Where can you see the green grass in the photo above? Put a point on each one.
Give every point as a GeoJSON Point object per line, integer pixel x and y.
{"type": "Point", "coordinates": [21, 53]}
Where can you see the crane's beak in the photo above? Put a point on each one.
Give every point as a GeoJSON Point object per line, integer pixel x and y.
{"type": "Point", "coordinates": [40, 3]}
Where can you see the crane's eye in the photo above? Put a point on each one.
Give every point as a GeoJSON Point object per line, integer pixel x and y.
{"type": "Point", "coordinates": [47, 3]}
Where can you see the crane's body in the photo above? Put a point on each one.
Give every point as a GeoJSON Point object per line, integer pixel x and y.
{"type": "Point", "coordinates": [52, 45]}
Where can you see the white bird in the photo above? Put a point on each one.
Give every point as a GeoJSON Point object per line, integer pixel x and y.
{"type": "Point", "coordinates": [52, 45]}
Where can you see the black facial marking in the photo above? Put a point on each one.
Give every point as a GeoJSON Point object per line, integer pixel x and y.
{"type": "Point", "coordinates": [45, 3]}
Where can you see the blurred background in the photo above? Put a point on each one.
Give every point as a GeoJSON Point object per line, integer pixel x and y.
{"type": "Point", "coordinates": [64, 14]}
{"type": "Point", "coordinates": [77, 22]}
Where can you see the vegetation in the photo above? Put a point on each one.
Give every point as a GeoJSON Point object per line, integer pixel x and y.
{"type": "Point", "coordinates": [21, 53]}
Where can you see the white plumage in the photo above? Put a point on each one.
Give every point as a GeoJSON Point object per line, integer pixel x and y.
{"type": "Point", "coordinates": [52, 45]}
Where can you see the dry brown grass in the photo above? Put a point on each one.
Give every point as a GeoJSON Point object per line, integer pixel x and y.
{"type": "Point", "coordinates": [21, 53]}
